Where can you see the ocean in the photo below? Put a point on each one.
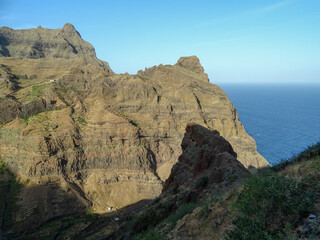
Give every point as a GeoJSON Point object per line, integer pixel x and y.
{"type": "Point", "coordinates": [283, 119]}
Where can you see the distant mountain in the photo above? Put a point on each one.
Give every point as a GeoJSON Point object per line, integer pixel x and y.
{"type": "Point", "coordinates": [41, 42]}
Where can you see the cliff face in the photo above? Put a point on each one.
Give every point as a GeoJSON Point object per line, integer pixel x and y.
{"type": "Point", "coordinates": [41, 42]}
{"type": "Point", "coordinates": [195, 198]}
{"type": "Point", "coordinates": [106, 139]}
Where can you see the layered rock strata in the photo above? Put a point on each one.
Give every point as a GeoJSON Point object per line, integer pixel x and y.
{"type": "Point", "coordinates": [110, 138]}
{"type": "Point", "coordinates": [201, 183]}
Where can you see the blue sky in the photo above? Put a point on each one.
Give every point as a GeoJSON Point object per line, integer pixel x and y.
{"type": "Point", "coordinates": [236, 41]}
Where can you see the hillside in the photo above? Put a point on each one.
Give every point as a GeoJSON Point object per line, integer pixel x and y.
{"type": "Point", "coordinates": [210, 195]}
{"type": "Point", "coordinates": [82, 138]}
{"type": "Point", "coordinates": [220, 200]}
{"type": "Point", "coordinates": [89, 154]}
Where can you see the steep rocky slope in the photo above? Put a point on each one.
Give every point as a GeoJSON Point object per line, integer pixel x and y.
{"type": "Point", "coordinates": [210, 195]}
{"type": "Point", "coordinates": [41, 42]}
{"type": "Point", "coordinates": [105, 139]}
{"type": "Point", "coordinates": [195, 198]}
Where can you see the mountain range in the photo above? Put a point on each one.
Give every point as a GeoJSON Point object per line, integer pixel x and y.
{"type": "Point", "coordinates": [80, 137]}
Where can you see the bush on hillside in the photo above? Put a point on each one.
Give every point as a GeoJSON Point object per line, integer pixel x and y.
{"type": "Point", "coordinates": [265, 204]}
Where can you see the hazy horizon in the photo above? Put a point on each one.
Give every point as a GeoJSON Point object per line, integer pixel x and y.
{"type": "Point", "coordinates": [276, 41]}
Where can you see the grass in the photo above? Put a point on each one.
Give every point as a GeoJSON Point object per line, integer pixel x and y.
{"type": "Point", "coordinates": [265, 203]}
{"type": "Point", "coordinates": [3, 167]}
{"type": "Point", "coordinates": [90, 211]}
{"type": "Point", "coordinates": [90, 215]}
{"type": "Point", "coordinates": [82, 121]}
{"type": "Point", "coordinates": [26, 119]}
{"type": "Point", "coordinates": [310, 153]}
{"type": "Point", "coordinates": [150, 234]}
{"type": "Point", "coordinates": [36, 91]}
{"type": "Point", "coordinates": [183, 210]}
{"type": "Point", "coordinates": [272, 203]}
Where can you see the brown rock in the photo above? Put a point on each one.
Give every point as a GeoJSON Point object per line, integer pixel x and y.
{"type": "Point", "coordinates": [41, 42]}
{"type": "Point", "coordinates": [192, 63]}
{"type": "Point", "coordinates": [112, 138]}
{"type": "Point", "coordinates": [199, 187]}
{"type": "Point", "coordinates": [207, 155]}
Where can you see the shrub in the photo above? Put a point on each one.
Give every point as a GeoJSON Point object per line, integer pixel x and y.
{"type": "Point", "coordinates": [3, 167]}
{"type": "Point", "coordinates": [202, 182]}
{"type": "Point", "coordinates": [183, 210]}
{"type": "Point", "coordinates": [82, 121]}
{"type": "Point", "coordinates": [266, 200]}
{"type": "Point", "coordinates": [26, 119]}
{"type": "Point", "coordinates": [147, 219]}
{"type": "Point", "coordinates": [150, 234]}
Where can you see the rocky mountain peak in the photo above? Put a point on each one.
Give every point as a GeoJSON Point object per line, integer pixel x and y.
{"type": "Point", "coordinates": [69, 30]}
{"type": "Point", "coordinates": [41, 42]}
{"type": "Point", "coordinates": [191, 63]}
{"type": "Point", "coordinates": [206, 159]}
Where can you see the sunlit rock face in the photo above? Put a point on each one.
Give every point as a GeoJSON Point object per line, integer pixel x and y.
{"type": "Point", "coordinates": [98, 139]}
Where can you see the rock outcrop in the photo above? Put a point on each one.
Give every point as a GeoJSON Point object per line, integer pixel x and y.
{"type": "Point", "coordinates": [112, 138]}
{"type": "Point", "coordinates": [206, 174]}
{"type": "Point", "coordinates": [206, 159]}
{"type": "Point", "coordinates": [41, 42]}
{"type": "Point", "coordinates": [8, 81]}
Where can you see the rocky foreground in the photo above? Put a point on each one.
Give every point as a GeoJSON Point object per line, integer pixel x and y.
{"type": "Point", "coordinates": [80, 137]}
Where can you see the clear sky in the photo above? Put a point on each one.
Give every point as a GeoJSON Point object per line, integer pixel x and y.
{"type": "Point", "coordinates": [236, 41]}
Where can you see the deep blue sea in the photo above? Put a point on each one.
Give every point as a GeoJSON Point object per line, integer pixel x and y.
{"type": "Point", "coordinates": [283, 119]}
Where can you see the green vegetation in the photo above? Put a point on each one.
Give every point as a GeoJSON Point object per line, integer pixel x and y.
{"type": "Point", "coordinates": [26, 119]}
{"type": "Point", "coordinates": [3, 167]}
{"type": "Point", "coordinates": [205, 205]}
{"type": "Point", "coordinates": [90, 215]}
{"type": "Point", "coordinates": [312, 152]}
{"type": "Point", "coordinates": [272, 203]}
{"type": "Point", "coordinates": [183, 210]}
{"type": "Point", "coordinates": [40, 117]}
{"type": "Point", "coordinates": [37, 89]}
{"type": "Point", "coordinates": [145, 225]}
{"type": "Point", "coordinates": [90, 212]}
{"type": "Point", "coordinates": [265, 203]}
{"type": "Point", "coordinates": [269, 206]}
{"type": "Point", "coordinates": [82, 121]}
{"type": "Point", "coordinates": [150, 234]}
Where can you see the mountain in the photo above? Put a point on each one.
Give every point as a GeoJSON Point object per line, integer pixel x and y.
{"type": "Point", "coordinates": [80, 137]}
{"type": "Point", "coordinates": [207, 172]}
{"type": "Point", "coordinates": [41, 42]}
{"type": "Point", "coordinates": [210, 195]}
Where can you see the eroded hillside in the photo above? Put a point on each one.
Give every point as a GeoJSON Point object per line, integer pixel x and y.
{"type": "Point", "coordinates": [80, 133]}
